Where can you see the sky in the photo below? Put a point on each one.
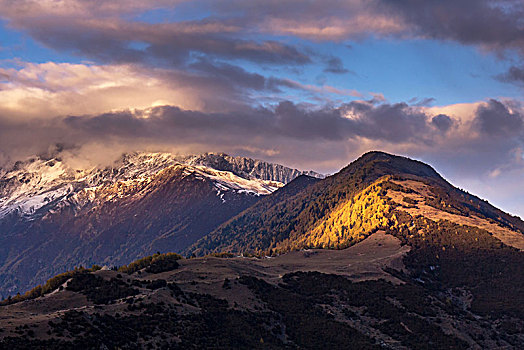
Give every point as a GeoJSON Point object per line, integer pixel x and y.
{"type": "Point", "coordinates": [309, 84]}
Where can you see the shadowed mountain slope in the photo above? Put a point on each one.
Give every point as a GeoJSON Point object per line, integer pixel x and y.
{"type": "Point", "coordinates": [127, 220]}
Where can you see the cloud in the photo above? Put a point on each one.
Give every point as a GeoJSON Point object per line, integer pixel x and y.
{"type": "Point", "coordinates": [112, 37]}
{"type": "Point", "coordinates": [464, 142]}
{"type": "Point", "coordinates": [496, 120]}
{"type": "Point", "coordinates": [442, 122]}
{"type": "Point", "coordinates": [335, 65]}
{"type": "Point", "coordinates": [487, 139]}
{"type": "Point", "coordinates": [422, 102]}
{"type": "Point", "coordinates": [280, 131]}
{"type": "Point", "coordinates": [113, 32]}
{"type": "Point", "coordinates": [397, 123]}
{"type": "Point", "coordinates": [50, 89]}
{"type": "Point", "coordinates": [494, 25]}
{"type": "Point", "coordinates": [490, 24]}
{"type": "Point", "coordinates": [514, 75]}
{"type": "Point", "coordinates": [328, 20]}
{"type": "Point", "coordinates": [323, 89]}
{"type": "Point", "coordinates": [53, 89]}
{"type": "Point", "coordinates": [216, 82]}
{"type": "Point", "coordinates": [80, 8]}
{"type": "Point", "coordinates": [192, 57]}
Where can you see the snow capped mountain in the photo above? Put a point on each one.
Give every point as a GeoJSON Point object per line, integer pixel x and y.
{"type": "Point", "coordinates": [54, 217]}
{"type": "Point", "coordinates": [33, 187]}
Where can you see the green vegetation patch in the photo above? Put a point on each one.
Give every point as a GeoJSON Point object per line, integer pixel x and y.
{"type": "Point", "coordinates": [51, 285]}
{"type": "Point", "coordinates": [153, 264]}
{"type": "Point", "coordinates": [99, 290]}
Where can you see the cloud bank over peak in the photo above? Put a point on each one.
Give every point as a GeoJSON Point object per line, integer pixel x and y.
{"type": "Point", "coordinates": [324, 138]}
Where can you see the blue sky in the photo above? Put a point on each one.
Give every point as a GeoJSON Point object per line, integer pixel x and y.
{"type": "Point", "coordinates": [16, 45]}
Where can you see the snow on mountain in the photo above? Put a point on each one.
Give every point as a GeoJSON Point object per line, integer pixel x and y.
{"type": "Point", "coordinates": [36, 183]}
{"type": "Point", "coordinates": [225, 181]}
{"type": "Point", "coordinates": [35, 186]}
{"type": "Point", "coordinates": [247, 168]}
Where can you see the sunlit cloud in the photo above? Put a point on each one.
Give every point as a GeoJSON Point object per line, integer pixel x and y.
{"type": "Point", "coordinates": [337, 29]}
{"type": "Point", "coordinates": [54, 89]}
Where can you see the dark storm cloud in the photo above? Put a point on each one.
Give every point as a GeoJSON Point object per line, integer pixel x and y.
{"type": "Point", "coordinates": [286, 125]}
{"type": "Point", "coordinates": [173, 44]}
{"type": "Point", "coordinates": [202, 50]}
{"type": "Point", "coordinates": [493, 24]}
{"type": "Point", "coordinates": [387, 122]}
{"type": "Point", "coordinates": [490, 141]}
{"type": "Point", "coordinates": [491, 145]}
{"type": "Point", "coordinates": [107, 33]}
{"type": "Point", "coordinates": [251, 31]}
{"type": "Point", "coordinates": [395, 123]}
{"type": "Point", "coordinates": [200, 54]}
{"type": "Point", "coordinates": [421, 102]}
{"type": "Point", "coordinates": [286, 119]}
{"type": "Point", "coordinates": [304, 135]}
{"type": "Point", "coordinates": [227, 74]}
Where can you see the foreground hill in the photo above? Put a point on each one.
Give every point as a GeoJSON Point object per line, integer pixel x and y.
{"type": "Point", "coordinates": [363, 297]}
{"type": "Point", "coordinates": [53, 217]}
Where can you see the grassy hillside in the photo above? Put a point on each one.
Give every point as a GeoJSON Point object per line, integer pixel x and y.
{"type": "Point", "coordinates": [214, 303]}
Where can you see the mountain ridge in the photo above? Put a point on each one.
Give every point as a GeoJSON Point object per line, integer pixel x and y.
{"type": "Point", "coordinates": [318, 201]}
{"type": "Point", "coordinates": [41, 181]}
